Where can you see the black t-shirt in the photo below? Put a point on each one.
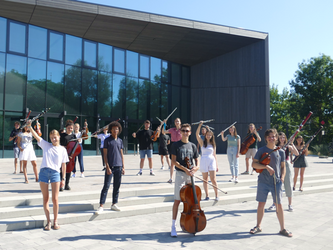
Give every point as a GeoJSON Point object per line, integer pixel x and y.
{"type": "Point", "coordinates": [65, 138]}
{"type": "Point", "coordinates": [164, 141]}
{"type": "Point", "coordinates": [144, 137]}
{"type": "Point", "coordinates": [254, 145]}
{"type": "Point", "coordinates": [12, 134]}
{"type": "Point", "coordinates": [182, 150]}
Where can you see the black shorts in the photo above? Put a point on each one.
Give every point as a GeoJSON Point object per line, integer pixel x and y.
{"type": "Point", "coordinates": [163, 151]}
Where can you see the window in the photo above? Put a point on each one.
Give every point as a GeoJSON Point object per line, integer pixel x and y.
{"type": "Point", "coordinates": [55, 87]}
{"type": "Point", "coordinates": [155, 69]}
{"type": "Point", "coordinates": [118, 96]}
{"type": "Point", "coordinates": [89, 92]}
{"type": "Point", "coordinates": [143, 99]}
{"type": "Point", "coordinates": [37, 42]}
{"type": "Point", "coordinates": [3, 32]}
{"type": "Point", "coordinates": [90, 54]}
{"type": "Point", "coordinates": [132, 64]}
{"type": "Point", "coordinates": [73, 89]}
{"type": "Point", "coordinates": [132, 92]}
{"type": "Point", "coordinates": [185, 104]}
{"type": "Point", "coordinates": [185, 76]}
{"type": "Point", "coordinates": [73, 50]}
{"type": "Point", "coordinates": [104, 94]}
{"type": "Point", "coordinates": [175, 74]}
{"type": "Point", "coordinates": [104, 57]}
{"type": "Point", "coordinates": [56, 47]}
{"type": "Point", "coordinates": [36, 84]}
{"type": "Point", "coordinates": [17, 37]}
{"type": "Point", "coordinates": [155, 100]}
{"type": "Point", "coordinates": [2, 77]}
{"type": "Point", "coordinates": [176, 101]}
{"type": "Point", "coordinates": [119, 61]}
{"type": "Point", "coordinates": [144, 66]}
{"type": "Point", "coordinates": [165, 71]}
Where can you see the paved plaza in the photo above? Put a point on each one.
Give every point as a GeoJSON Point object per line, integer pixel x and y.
{"type": "Point", "coordinates": [227, 225]}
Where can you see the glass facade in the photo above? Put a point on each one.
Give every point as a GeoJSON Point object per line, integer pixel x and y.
{"type": "Point", "coordinates": [75, 77]}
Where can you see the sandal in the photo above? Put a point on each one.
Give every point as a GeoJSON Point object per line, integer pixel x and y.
{"type": "Point", "coordinates": [255, 230]}
{"type": "Point", "coordinates": [169, 181]}
{"type": "Point", "coordinates": [21, 172]}
{"type": "Point", "coordinates": [26, 182]}
{"type": "Point", "coordinates": [301, 189]}
{"type": "Point", "coordinates": [56, 226]}
{"type": "Point", "coordinates": [285, 232]}
{"type": "Point", "coordinates": [48, 226]}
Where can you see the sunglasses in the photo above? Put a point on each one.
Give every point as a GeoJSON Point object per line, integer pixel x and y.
{"type": "Point", "coordinates": [186, 131]}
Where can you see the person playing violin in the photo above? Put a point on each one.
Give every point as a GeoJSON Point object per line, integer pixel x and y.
{"type": "Point", "coordinates": [65, 138]}
{"type": "Point", "coordinates": [12, 137]}
{"type": "Point", "coordinates": [78, 135]}
{"type": "Point", "coordinates": [179, 151]}
{"type": "Point", "coordinates": [270, 180]}
{"type": "Point", "coordinates": [300, 164]}
{"type": "Point", "coordinates": [252, 148]}
{"type": "Point", "coordinates": [146, 146]}
{"type": "Point", "coordinates": [164, 141]}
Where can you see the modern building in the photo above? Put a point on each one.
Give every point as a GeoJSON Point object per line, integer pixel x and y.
{"type": "Point", "coordinates": [102, 63]}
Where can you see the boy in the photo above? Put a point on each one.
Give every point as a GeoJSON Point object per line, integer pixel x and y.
{"type": "Point", "coordinates": [180, 150]}
{"type": "Point", "coordinates": [12, 137]}
{"type": "Point", "coordinates": [270, 180]}
{"type": "Point", "coordinates": [114, 161]}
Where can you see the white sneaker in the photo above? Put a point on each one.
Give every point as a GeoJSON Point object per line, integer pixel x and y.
{"type": "Point", "coordinates": [290, 208]}
{"type": "Point", "coordinates": [152, 173]}
{"type": "Point", "coordinates": [232, 180]}
{"type": "Point", "coordinates": [82, 175]}
{"type": "Point", "coordinates": [236, 180]}
{"type": "Point", "coordinates": [73, 175]}
{"type": "Point", "coordinates": [115, 207]}
{"type": "Point", "coordinates": [173, 232]}
{"type": "Point", "coordinates": [162, 167]}
{"type": "Point", "coordinates": [217, 198]}
{"type": "Point", "coordinates": [99, 211]}
{"type": "Point", "coordinates": [272, 207]}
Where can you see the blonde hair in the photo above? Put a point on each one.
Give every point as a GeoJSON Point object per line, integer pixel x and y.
{"type": "Point", "coordinates": [54, 131]}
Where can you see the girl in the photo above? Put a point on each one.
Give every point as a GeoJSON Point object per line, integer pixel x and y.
{"type": "Point", "coordinates": [54, 158]}
{"type": "Point", "coordinates": [233, 152]}
{"type": "Point", "coordinates": [78, 134]}
{"type": "Point", "coordinates": [208, 161]}
{"type": "Point", "coordinates": [27, 152]}
{"type": "Point", "coordinates": [300, 163]}
{"type": "Point", "coordinates": [253, 148]}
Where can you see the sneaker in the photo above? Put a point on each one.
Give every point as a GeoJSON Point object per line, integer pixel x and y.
{"type": "Point", "coordinates": [61, 189]}
{"type": "Point", "coordinates": [217, 198]}
{"type": "Point", "coordinates": [173, 232]}
{"type": "Point", "coordinates": [152, 173]}
{"type": "Point", "coordinates": [67, 188]}
{"type": "Point", "coordinates": [140, 173]}
{"type": "Point", "coordinates": [272, 207]}
{"type": "Point", "coordinates": [246, 172]}
{"type": "Point", "coordinates": [162, 167]}
{"type": "Point", "coordinates": [231, 180]}
{"type": "Point", "coordinates": [73, 175]}
{"type": "Point", "coordinates": [290, 208]}
{"type": "Point", "coordinates": [206, 199]}
{"type": "Point", "coordinates": [115, 207]}
{"type": "Point", "coordinates": [103, 169]}
{"type": "Point", "coordinates": [99, 211]}
{"type": "Point", "coordinates": [169, 181]}
{"type": "Point", "coordinates": [82, 175]}
{"type": "Point", "coordinates": [236, 180]}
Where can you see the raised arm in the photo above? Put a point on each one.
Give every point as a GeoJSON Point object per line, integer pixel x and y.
{"type": "Point", "coordinates": [197, 134]}
{"type": "Point", "coordinates": [34, 134]}
{"type": "Point", "coordinates": [222, 136]}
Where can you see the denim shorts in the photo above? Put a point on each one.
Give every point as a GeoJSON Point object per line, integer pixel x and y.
{"type": "Point", "coordinates": [263, 189]}
{"type": "Point", "coordinates": [48, 175]}
{"type": "Point", "coordinates": [148, 152]}
{"type": "Point", "coordinates": [16, 152]}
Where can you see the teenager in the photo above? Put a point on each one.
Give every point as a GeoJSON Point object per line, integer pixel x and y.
{"type": "Point", "coordinates": [180, 150]}
{"type": "Point", "coordinates": [102, 137]}
{"type": "Point", "coordinates": [114, 160]}
{"type": "Point", "coordinates": [163, 151]}
{"type": "Point", "coordinates": [175, 136]}
{"type": "Point", "coordinates": [78, 135]}
{"type": "Point", "coordinates": [202, 136]}
{"type": "Point", "coordinates": [146, 146]}
{"type": "Point", "coordinates": [252, 148]}
{"type": "Point", "coordinates": [270, 180]}
{"type": "Point", "coordinates": [208, 161]}
{"type": "Point", "coordinates": [54, 159]}
{"type": "Point", "coordinates": [27, 152]}
{"type": "Point", "coordinates": [233, 152]}
{"type": "Point", "coordinates": [13, 137]}
{"type": "Point", "coordinates": [300, 164]}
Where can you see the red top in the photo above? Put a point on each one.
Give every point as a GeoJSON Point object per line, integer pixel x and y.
{"type": "Point", "coordinates": [175, 134]}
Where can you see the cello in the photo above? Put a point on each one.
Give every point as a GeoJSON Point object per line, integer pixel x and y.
{"type": "Point", "coordinates": [248, 141]}
{"type": "Point", "coordinates": [73, 149]}
{"type": "Point", "coordinates": [192, 219]}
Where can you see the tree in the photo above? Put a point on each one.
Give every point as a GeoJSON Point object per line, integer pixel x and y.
{"type": "Point", "coordinates": [313, 88]}
{"type": "Point", "coordinates": [279, 108]}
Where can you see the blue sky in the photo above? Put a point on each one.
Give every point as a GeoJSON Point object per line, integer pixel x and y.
{"type": "Point", "coordinates": [298, 29]}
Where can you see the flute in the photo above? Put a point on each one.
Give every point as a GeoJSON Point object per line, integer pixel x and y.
{"type": "Point", "coordinates": [195, 123]}
{"type": "Point", "coordinates": [227, 128]}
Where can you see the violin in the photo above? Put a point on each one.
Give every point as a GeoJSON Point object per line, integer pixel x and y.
{"type": "Point", "coordinates": [265, 159]}
{"type": "Point", "coordinates": [37, 128]}
{"type": "Point", "coordinates": [73, 150]}
{"type": "Point", "coordinates": [155, 134]}
{"type": "Point", "coordinates": [192, 219]}
{"type": "Point", "coordinates": [85, 130]}
{"type": "Point", "coordinates": [249, 140]}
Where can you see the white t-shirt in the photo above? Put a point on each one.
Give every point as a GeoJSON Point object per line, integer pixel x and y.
{"type": "Point", "coordinates": [79, 135]}
{"type": "Point", "coordinates": [53, 156]}
{"type": "Point", "coordinates": [102, 137]}
{"type": "Point", "coordinates": [26, 139]}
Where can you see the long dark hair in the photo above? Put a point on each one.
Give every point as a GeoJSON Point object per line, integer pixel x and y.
{"type": "Point", "coordinates": [281, 134]}
{"type": "Point", "coordinates": [302, 143]}
{"type": "Point", "coordinates": [211, 141]}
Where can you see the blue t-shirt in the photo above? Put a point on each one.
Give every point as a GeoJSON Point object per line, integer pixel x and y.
{"type": "Point", "coordinates": [114, 151]}
{"type": "Point", "coordinates": [233, 141]}
{"type": "Point", "coordinates": [276, 158]}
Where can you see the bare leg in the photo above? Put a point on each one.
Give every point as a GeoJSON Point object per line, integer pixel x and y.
{"type": "Point", "coordinates": [205, 185]}
{"type": "Point", "coordinates": [171, 171]}
{"type": "Point", "coordinates": [142, 161]}
{"type": "Point", "coordinates": [168, 160]}
{"type": "Point", "coordinates": [21, 166]}
{"type": "Point", "coordinates": [44, 187]}
{"type": "Point", "coordinates": [34, 165]}
{"type": "Point", "coordinates": [15, 165]}
{"type": "Point", "coordinates": [301, 178]}
{"type": "Point", "coordinates": [55, 193]}
{"type": "Point", "coordinates": [212, 175]}
{"type": "Point", "coordinates": [150, 161]}
{"type": "Point", "coordinates": [289, 201]}
{"type": "Point", "coordinates": [260, 213]}
{"type": "Point", "coordinates": [162, 160]}
{"type": "Point", "coordinates": [25, 170]}
{"type": "Point", "coordinates": [295, 176]}
{"type": "Point", "coordinates": [280, 215]}
{"type": "Point", "coordinates": [247, 162]}
{"type": "Point", "coordinates": [175, 209]}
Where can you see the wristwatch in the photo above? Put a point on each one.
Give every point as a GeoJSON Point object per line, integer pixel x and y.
{"type": "Point", "coordinates": [63, 179]}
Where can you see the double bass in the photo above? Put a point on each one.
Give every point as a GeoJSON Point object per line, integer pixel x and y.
{"type": "Point", "coordinates": [248, 141]}
{"type": "Point", "coordinates": [192, 219]}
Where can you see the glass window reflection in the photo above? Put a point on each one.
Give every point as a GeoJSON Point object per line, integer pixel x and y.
{"type": "Point", "coordinates": [55, 87]}
{"type": "Point", "coordinates": [11, 117]}
{"type": "Point", "coordinates": [90, 52]}
{"type": "Point", "coordinates": [17, 37]}
{"type": "Point", "coordinates": [104, 94]}
{"type": "Point", "coordinates": [185, 103]}
{"type": "Point", "coordinates": [16, 76]}
{"type": "Point", "coordinates": [3, 32]}
{"type": "Point", "coordinates": [56, 46]}
{"type": "Point", "coordinates": [73, 50]}
{"type": "Point", "coordinates": [175, 74]}
{"type": "Point", "coordinates": [118, 96]}
{"type": "Point", "coordinates": [119, 61]}
{"type": "Point", "coordinates": [36, 84]}
{"type": "Point", "coordinates": [143, 99]}
{"type": "Point", "coordinates": [2, 77]}
{"type": "Point", "coordinates": [37, 42]}
{"type": "Point", "coordinates": [132, 64]}
{"type": "Point", "coordinates": [104, 57]}
{"type": "Point", "coordinates": [176, 101]}
{"type": "Point", "coordinates": [155, 100]}
{"type": "Point", "coordinates": [164, 100]}
{"type": "Point", "coordinates": [89, 92]}
{"type": "Point", "coordinates": [132, 93]}
{"type": "Point", "coordinates": [185, 76]}
{"type": "Point", "coordinates": [144, 66]}
{"type": "Point", "coordinates": [165, 71]}
{"type": "Point", "coordinates": [155, 69]}
{"type": "Point", "coordinates": [73, 89]}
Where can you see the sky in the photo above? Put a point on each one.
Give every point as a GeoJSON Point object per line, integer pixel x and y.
{"type": "Point", "coordinates": [297, 29]}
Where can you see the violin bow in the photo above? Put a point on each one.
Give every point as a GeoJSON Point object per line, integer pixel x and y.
{"type": "Point", "coordinates": [171, 114]}
{"type": "Point", "coordinates": [183, 168]}
{"type": "Point", "coordinates": [307, 143]}
{"type": "Point", "coordinates": [195, 123]}
{"type": "Point", "coordinates": [275, 193]}
{"type": "Point", "coordinates": [226, 129]}
{"type": "Point", "coordinates": [37, 117]}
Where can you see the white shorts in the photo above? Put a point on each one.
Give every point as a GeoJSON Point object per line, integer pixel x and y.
{"type": "Point", "coordinates": [207, 164]}
{"type": "Point", "coordinates": [28, 154]}
{"type": "Point", "coordinates": [251, 152]}
{"type": "Point", "coordinates": [181, 179]}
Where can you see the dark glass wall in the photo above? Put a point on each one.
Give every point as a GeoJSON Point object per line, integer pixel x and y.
{"type": "Point", "coordinates": [41, 68]}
